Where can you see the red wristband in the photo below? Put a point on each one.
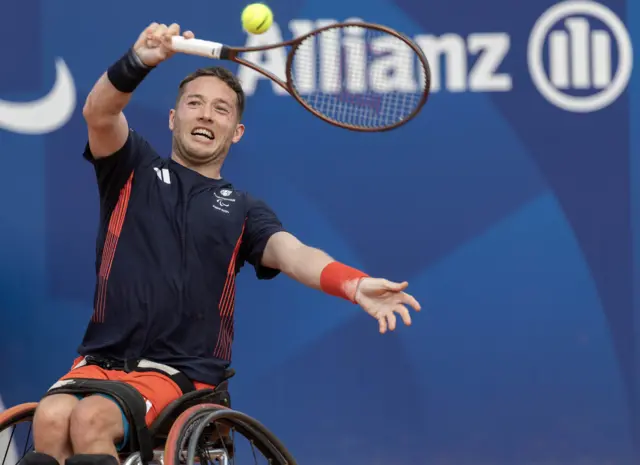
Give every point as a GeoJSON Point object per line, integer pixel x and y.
{"type": "Point", "coordinates": [340, 280]}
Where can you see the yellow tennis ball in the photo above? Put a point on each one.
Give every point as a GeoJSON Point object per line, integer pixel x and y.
{"type": "Point", "coordinates": [257, 18]}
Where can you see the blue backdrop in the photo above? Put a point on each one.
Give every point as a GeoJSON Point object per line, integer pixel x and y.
{"type": "Point", "coordinates": [511, 205]}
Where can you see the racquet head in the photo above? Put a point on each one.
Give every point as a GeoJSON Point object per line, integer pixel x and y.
{"type": "Point", "coordinates": [359, 76]}
{"type": "Point", "coordinates": [354, 75]}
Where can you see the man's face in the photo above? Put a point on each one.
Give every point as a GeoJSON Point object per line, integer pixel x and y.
{"type": "Point", "coordinates": [205, 121]}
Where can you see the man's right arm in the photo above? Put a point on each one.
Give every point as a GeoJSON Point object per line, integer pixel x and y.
{"type": "Point", "coordinates": [103, 110]}
{"type": "Point", "coordinates": [107, 126]}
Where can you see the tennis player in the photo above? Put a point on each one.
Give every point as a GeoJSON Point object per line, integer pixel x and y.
{"type": "Point", "coordinates": [173, 235]}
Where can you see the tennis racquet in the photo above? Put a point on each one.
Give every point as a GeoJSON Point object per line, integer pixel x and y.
{"type": "Point", "coordinates": [354, 75]}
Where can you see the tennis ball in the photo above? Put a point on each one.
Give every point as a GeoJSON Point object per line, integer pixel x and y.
{"type": "Point", "coordinates": [257, 18]}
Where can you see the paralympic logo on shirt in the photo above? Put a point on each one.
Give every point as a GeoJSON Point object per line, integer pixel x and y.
{"type": "Point", "coordinates": [223, 201]}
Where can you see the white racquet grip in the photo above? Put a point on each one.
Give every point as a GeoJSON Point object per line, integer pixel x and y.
{"type": "Point", "coordinates": [204, 48]}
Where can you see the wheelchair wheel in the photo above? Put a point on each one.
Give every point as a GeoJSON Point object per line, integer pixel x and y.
{"type": "Point", "coordinates": [209, 433]}
{"type": "Point", "coordinates": [15, 432]}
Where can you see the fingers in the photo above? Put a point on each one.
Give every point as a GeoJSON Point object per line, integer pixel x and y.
{"type": "Point", "coordinates": [188, 35]}
{"type": "Point", "coordinates": [150, 28]}
{"type": "Point", "coordinates": [166, 33]}
{"type": "Point", "coordinates": [408, 299]}
{"type": "Point", "coordinates": [157, 33]}
{"type": "Point", "coordinates": [382, 323]}
{"type": "Point", "coordinates": [404, 314]}
{"type": "Point", "coordinates": [173, 30]}
{"type": "Point", "coordinates": [391, 321]}
{"type": "Point", "coordinates": [389, 298]}
{"type": "Point", "coordinates": [388, 320]}
{"type": "Point", "coordinates": [152, 35]}
{"type": "Point", "coordinates": [396, 287]}
{"type": "Point", "coordinates": [155, 43]}
{"type": "Point", "coordinates": [144, 35]}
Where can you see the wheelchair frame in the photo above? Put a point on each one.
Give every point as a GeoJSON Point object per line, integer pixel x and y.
{"type": "Point", "coordinates": [191, 410]}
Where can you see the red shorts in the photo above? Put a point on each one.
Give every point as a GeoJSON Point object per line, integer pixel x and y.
{"type": "Point", "coordinates": [157, 389]}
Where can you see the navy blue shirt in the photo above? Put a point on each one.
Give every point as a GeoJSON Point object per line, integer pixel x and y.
{"type": "Point", "coordinates": [169, 246]}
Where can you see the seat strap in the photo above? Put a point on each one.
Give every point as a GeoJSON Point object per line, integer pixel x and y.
{"type": "Point", "coordinates": [183, 382]}
{"type": "Point", "coordinates": [178, 377]}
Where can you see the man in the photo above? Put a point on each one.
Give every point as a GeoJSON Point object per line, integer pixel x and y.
{"type": "Point", "coordinates": [173, 234]}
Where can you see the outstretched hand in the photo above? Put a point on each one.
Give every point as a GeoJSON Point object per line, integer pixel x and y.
{"type": "Point", "coordinates": [382, 299]}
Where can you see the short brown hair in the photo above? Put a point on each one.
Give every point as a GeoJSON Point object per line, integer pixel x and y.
{"type": "Point", "coordinates": [225, 76]}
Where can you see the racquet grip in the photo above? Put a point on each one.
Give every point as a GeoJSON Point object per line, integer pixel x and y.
{"type": "Point", "coordinates": [199, 47]}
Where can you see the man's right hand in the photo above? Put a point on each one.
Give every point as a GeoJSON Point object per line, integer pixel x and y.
{"type": "Point", "coordinates": [154, 44]}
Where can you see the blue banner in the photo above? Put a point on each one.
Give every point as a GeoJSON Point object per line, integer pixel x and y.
{"type": "Point", "coordinates": [510, 205]}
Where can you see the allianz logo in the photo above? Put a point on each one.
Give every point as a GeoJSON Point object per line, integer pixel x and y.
{"type": "Point", "coordinates": [452, 59]}
{"type": "Point", "coordinates": [579, 57]}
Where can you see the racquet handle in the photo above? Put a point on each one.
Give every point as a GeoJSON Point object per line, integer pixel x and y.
{"type": "Point", "coordinates": [204, 48]}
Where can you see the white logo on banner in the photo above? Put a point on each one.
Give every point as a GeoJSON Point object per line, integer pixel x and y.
{"type": "Point", "coordinates": [580, 57]}
{"type": "Point", "coordinates": [45, 114]}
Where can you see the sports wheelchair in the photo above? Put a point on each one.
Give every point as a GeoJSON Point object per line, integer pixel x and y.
{"type": "Point", "coordinates": [197, 427]}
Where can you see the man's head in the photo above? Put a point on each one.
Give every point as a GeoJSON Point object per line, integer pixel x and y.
{"type": "Point", "coordinates": [207, 114]}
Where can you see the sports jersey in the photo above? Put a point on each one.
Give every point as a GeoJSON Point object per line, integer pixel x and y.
{"type": "Point", "coordinates": [170, 243]}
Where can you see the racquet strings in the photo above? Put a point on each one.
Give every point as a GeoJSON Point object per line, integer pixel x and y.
{"type": "Point", "coordinates": [359, 76]}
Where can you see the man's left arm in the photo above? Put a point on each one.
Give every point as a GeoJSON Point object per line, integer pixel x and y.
{"type": "Point", "coordinates": [310, 266]}
{"type": "Point", "coordinates": [271, 249]}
